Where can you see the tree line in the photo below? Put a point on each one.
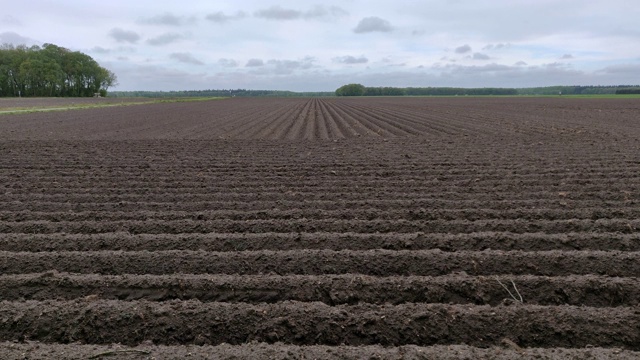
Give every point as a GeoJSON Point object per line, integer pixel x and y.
{"type": "Point", "coordinates": [628, 91]}
{"type": "Point", "coordinates": [361, 90]}
{"type": "Point", "coordinates": [219, 93]}
{"type": "Point", "coordinates": [577, 90]}
{"type": "Point", "coordinates": [51, 70]}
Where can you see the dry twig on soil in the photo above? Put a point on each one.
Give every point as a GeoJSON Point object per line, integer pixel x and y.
{"type": "Point", "coordinates": [519, 298]}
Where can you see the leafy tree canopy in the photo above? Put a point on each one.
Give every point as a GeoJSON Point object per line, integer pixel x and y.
{"type": "Point", "coordinates": [51, 70]}
{"type": "Point", "coordinates": [351, 90]}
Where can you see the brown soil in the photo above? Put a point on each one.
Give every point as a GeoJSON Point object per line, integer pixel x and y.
{"type": "Point", "coordinates": [281, 351]}
{"type": "Point", "coordinates": [459, 288]}
{"type": "Point", "coordinates": [323, 228]}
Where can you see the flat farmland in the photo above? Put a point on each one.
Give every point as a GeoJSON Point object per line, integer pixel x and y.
{"type": "Point", "coordinates": [462, 227]}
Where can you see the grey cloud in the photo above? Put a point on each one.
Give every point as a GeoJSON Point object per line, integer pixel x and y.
{"type": "Point", "coordinates": [229, 63]}
{"type": "Point", "coordinates": [119, 49]}
{"type": "Point", "coordinates": [566, 57]}
{"type": "Point", "coordinates": [489, 75]}
{"type": "Point", "coordinates": [164, 39]}
{"type": "Point", "coordinates": [622, 69]}
{"type": "Point", "coordinates": [317, 12]}
{"type": "Point", "coordinates": [167, 19]}
{"type": "Point", "coordinates": [489, 68]}
{"type": "Point", "coordinates": [480, 56]}
{"type": "Point", "coordinates": [254, 63]}
{"type": "Point", "coordinates": [186, 58]}
{"type": "Point", "coordinates": [325, 12]}
{"type": "Point", "coordinates": [100, 50]}
{"type": "Point", "coordinates": [121, 35]}
{"type": "Point", "coordinates": [500, 75]}
{"type": "Point", "coordinates": [13, 38]}
{"type": "Point", "coordinates": [619, 74]}
{"type": "Point", "coordinates": [220, 17]}
{"type": "Point", "coordinates": [521, 63]}
{"type": "Point", "coordinates": [556, 65]}
{"type": "Point", "coordinates": [463, 49]}
{"type": "Point", "coordinates": [351, 60]}
{"type": "Point", "coordinates": [496, 46]}
{"type": "Point", "coordinates": [150, 77]}
{"type": "Point", "coordinates": [283, 67]}
{"type": "Point", "coordinates": [372, 24]}
{"type": "Point", "coordinates": [10, 20]}
{"type": "Point", "coordinates": [278, 13]}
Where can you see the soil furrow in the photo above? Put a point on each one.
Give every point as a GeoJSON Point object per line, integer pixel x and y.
{"type": "Point", "coordinates": [589, 290]}
{"type": "Point", "coordinates": [190, 226]}
{"type": "Point", "coordinates": [551, 205]}
{"type": "Point", "coordinates": [505, 351]}
{"type": "Point", "coordinates": [319, 262]}
{"type": "Point", "coordinates": [220, 242]}
{"type": "Point", "coordinates": [194, 322]}
{"type": "Point", "coordinates": [628, 213]}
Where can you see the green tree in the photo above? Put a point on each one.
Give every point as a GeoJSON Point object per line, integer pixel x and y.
{"type": "Point", "coordinates": [50, 71]}
{"type": "Point", "coordinates": [351, 90]}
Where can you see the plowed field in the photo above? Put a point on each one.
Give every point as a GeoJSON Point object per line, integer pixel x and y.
{"type": "Point", "coordinates": [446, 228]}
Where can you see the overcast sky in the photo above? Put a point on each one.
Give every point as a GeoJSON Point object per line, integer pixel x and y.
{"type": "Point", "coordinates": [319, 46]}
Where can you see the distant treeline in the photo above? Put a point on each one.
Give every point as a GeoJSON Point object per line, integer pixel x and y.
{"type": "Point", "coordinates": [218, 93]}
{"type": "Point", "coordinates": [361, 90]}
{"type": "Point", "coordinates": [579, 90]}
{"type": "Point", "coordinates": [628, 91]}
{"type": "Point", "coordinates": [51, 70]}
